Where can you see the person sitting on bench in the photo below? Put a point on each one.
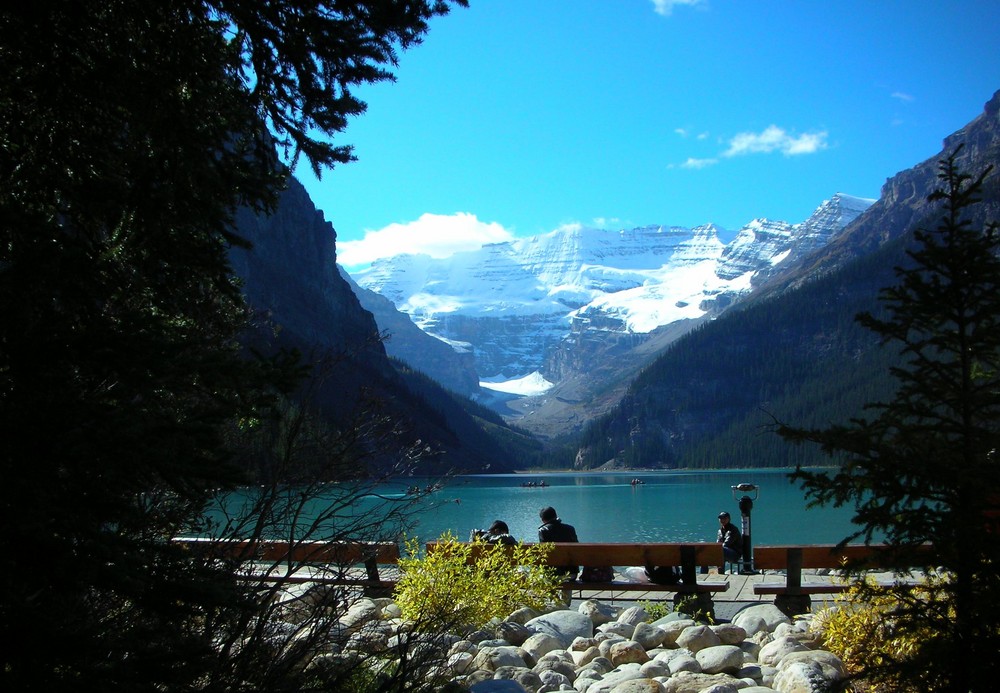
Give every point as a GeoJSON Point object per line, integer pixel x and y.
{"type": "Point", "coordinates": [730, 538]}
{"type": "Point", "coordinates": [554, 529]}
{"type": "Point", "coordinates": [498, 533]}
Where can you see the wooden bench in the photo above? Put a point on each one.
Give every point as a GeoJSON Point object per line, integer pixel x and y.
{"type": "Point", "coordinates": [686, 556]}
{"type": "Point", "coordinates": [320, 562]}
{"type": "Point", "coordinates": [792, 594]}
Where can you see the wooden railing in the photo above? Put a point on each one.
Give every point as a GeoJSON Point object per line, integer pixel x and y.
{"type": "Point", "coordinates": [337, 562]}
{"type": "Point", "coordinates": [306, 561]}
{"type": "Point", "coordinates": [794, 559]}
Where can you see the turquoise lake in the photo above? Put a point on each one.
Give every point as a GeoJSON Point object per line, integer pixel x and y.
{"type": "Point", "coordinates": [605, 507]}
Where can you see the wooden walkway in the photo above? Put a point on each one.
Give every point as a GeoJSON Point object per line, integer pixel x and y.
{"type": "Point", "coordinates": [740, 590]}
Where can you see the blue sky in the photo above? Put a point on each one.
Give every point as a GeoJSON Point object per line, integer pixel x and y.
{"type": "Point", "coordinates": [517, 117]}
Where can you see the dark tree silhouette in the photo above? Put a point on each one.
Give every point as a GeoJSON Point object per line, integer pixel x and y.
{"type": "Point", "coordinates": [130, 132]}
{"type": "Point", "coordinates": [923, 467]}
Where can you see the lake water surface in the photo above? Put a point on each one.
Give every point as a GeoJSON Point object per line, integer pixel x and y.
{"type": "Point", "coordinates": [605, 507]}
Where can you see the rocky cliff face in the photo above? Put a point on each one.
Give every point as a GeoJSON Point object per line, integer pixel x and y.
{"type": "Point", "coordinates": [903, 203]}
{"type": "Point", "coordinates": [291, 275]}
{"type": "Point", "coordinates": [291, 280]}
{"type": "Point", "coordinates": [452, 365]}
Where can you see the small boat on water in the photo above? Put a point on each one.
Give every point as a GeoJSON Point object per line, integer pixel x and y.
{"type": "Point", "coordinates": [430, 488]}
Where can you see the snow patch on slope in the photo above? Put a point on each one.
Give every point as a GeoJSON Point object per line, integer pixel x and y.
{"type": "Point", "coordinates": [529, 385]}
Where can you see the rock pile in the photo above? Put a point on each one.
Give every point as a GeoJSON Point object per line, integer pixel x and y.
{"type": "Point", "coordinates": [600, 648]}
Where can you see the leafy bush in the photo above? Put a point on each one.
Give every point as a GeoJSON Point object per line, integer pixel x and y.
{"type": "Point", "coordinates": [469, 584]}
{"type": "Point", "coordinates": [655, 610]}
{"type": "Point", "coordinates": [697, 606]}
{"type": "Point", "coordinates": [692, 606]}
{"type": "Point", "coordinates": [871, 628]}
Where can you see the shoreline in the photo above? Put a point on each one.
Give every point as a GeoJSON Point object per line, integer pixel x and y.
{"type": "Point", "coordinates": [636, 470]}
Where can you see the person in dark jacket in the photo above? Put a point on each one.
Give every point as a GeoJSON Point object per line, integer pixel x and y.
{"type": "Point", "coordinates": [498, 533]}
{"type": "Point", "coordinates": [730, 538]}
{"type": "Point", "coordinates": [554, 529]}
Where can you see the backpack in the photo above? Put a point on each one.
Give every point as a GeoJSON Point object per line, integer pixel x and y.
{"type": "Point", "coordinates": [663, 574]}
{"type": "Point", "coordinates": [603, 573]}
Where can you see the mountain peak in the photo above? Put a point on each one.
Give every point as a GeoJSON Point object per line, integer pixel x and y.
{"type": "Point", "coordinates": [521, 302]}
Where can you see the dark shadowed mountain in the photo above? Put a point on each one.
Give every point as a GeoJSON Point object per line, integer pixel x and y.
{"type": "Point", "coordinates": [791, 351]}
{"type": "Point", "coordinates": [453, 368]}
{"type": "Point", "coordinates": [291, 280]}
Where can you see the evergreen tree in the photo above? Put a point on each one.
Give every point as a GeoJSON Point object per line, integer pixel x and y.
{"type": "Point", "coordinates": [130, 132]}
{"type": "Point", "coordinates": [922, 467]}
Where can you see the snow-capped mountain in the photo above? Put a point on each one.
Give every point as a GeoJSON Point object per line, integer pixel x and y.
{"type": "Point", "coordinates": [519, 306]}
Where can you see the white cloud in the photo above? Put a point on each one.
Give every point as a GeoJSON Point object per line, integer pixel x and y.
{"type": "Point", "coordinates": [774, 139]}
{"type": "Point", "coordinates": [699, 163]}
{"type": "Point", "coordinates": [771, 139]}
{"type": "Point", "coordinates": [437, 235]}
{"type": "Point", "coordinates": [665, 7]}
{"type": "Point", "coordinates": [681, 131]}
{"type": "Point", "coordinates": [902, 96]}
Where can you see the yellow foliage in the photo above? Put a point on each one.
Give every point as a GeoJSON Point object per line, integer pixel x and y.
{"type": "Point", "coordinates": [862, 628]}
{"type": "Point", "coordinates": [448, 587]}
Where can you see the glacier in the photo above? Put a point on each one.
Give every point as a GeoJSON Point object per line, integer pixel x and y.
{"type": "Point", "coordinates": [518, 304]}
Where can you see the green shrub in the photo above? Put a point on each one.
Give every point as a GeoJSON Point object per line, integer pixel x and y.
{"type": "Point", "coordinates": [449, 588]}
{"type": "Point", "coordinates": [655, 610]}
{"type": "Point", "coordinates": [865, 629]}
{"type": "Point", "coordinates": [697, 606]}
{"type": "Point", "coordinates": [692, 606]}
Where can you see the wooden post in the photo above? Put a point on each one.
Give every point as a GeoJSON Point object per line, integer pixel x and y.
{"type": "Point", "coordinates": [793, 578]}
{"type": "Point", "coordinates": [689, 571]}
